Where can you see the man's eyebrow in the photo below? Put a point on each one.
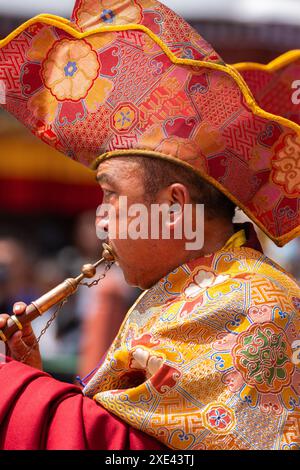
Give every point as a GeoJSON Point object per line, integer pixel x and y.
{"type": "Point", "coordinates": [105, 178]}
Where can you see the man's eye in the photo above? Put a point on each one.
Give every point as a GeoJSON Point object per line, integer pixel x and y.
{"type": "Point", "coordinates": [107, 193]}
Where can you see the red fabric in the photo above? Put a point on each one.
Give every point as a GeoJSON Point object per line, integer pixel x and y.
{"type": "Point", "coordinates": [39, 412]}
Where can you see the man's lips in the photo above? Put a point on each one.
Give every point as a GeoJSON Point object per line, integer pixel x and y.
{"type": "Point", "coordinates": [110, 244]}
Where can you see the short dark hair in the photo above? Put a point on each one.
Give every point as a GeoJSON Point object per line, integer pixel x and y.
{"type": "Point", "coordinates": [159, 173]}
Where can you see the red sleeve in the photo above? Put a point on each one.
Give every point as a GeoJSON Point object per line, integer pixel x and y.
{"type": "Point", "coordinates": [39, 412]}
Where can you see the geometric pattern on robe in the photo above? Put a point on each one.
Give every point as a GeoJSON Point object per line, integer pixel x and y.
{"type": "Point", "coordinates": [208, 358]}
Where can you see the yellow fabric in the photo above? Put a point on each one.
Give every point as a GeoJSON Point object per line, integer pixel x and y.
{"type": "Point", "coordinates": [205, 358]}
{"type": "Point", "coordinates": [278, 63]}
{"type": "Point", "coordinates": [237, 240]}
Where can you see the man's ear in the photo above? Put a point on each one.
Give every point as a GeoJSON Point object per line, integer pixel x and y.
{"type": "Point", "coordinates": [173, 198]}
{"type": "Point", "coordinates": [175, 194]}
{"type": "Point", "coordinates": [175, 211]}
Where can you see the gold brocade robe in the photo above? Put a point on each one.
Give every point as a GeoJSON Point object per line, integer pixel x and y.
{"type": "Point", "coordinates": [208, 358]}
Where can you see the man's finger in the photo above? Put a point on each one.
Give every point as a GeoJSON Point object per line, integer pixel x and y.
{"type": "Point", "coordinates": [17, 345]}
{"type": "Point", "coordinates": [3, 319]}
{"type": "Point", "coordinates": [19, 308]}
{"type": "Point", "coordinates": [26, 332]}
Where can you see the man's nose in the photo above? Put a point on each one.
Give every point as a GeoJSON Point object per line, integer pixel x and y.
{"type": "Point", "coordinates": [101, 227]}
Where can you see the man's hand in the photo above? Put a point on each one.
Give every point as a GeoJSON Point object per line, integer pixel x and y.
{"type": "Point", "coordinates": [22, 341]}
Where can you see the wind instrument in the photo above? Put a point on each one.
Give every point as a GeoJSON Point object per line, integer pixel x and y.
{"type": "Point", "coordinates": [58, 294]}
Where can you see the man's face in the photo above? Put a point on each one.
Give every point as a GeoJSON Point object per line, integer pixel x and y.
{"type": "Point", "coordinates": [119, 180]}
{"type": "Point", "coordinates": [147, 245]}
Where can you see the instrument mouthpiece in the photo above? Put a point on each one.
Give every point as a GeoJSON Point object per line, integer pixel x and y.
{"type": "Point", "coordinates": [108, 253]}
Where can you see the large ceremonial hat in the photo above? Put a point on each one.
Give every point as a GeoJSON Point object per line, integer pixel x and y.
{"type": "Point", "coordinates": [130, 77]}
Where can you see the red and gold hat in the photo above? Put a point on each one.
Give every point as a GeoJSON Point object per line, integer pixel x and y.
{"type": "Point", "coordinates": [130, 77]}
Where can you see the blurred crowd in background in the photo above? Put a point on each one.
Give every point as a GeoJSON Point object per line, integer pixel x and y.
{"type": "Point", "coordinates": [87, 323]}
{"type": "Point", "coordinates": [48, 202]}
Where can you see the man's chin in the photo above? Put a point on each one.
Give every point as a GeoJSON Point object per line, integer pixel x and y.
{"type": "Point", "coordinates": [132, 279]}
{"type": "Point", "coordinates": [140, 283]}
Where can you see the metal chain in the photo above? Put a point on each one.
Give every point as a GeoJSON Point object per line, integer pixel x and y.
{"type": "Point", "coordinates": [108, 265]}
{"type": "Point", "coordinates": [51, 320]}
{"type": "Point", "coordinates": [43, 331]}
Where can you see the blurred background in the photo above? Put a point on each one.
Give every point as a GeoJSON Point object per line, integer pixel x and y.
{"type": "Point", "coordinates": [48, 202]}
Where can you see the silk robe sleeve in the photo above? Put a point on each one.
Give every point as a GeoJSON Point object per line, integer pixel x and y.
{"type": "Point", "coordinates": [39, 412]}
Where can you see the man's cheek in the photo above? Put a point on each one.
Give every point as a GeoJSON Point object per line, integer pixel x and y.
{"type": "Point", "coordinates": [118, 228]}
